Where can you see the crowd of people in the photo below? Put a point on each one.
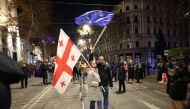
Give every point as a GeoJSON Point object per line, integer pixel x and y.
{"type": "Point", "coordinates": [44, 69]}
{"type": "Point", "coordinates": [99, 77]}
{"type": "Point", "coordinates": [177, 71]}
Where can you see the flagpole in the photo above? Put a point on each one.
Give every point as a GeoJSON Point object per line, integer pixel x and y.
{"type": "Point", "coordinates": [90, 67]}
{"type": "Point", "coordinates": [100, 36]}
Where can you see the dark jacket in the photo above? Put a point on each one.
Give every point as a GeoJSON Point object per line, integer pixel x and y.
{"type": "Point", "coordinates": [168, 65]}
{"type": "Point", "coordinates": [26, 71]}
{"type": "Point", "coordinates": [114, 68]}
{"type": "Point", "coordinates": [121, 73]}
{"type": "Point", "coordinates": [44, 69]}
{"type": "Point", "coordinates": [178, 86]}
{"type": "Point", "coordinates": [159, 67]}
{"type": "Point", "coordinates": [104, 73]}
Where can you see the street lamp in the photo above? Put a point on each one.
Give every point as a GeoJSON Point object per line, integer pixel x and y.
{"type": "Point", "coordinates": [86, 29]}
{"type": "Point", "coordinates": [86, 38]}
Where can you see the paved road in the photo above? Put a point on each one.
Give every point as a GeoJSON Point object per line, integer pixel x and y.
{"type": "Point", "coordinates": [149, 94]}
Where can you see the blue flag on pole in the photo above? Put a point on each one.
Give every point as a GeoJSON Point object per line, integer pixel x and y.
{"type": "Point", "coordinates": [96, 17]}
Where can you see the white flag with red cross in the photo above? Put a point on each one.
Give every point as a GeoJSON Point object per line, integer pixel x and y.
{"type": "Point", "coordinates": [67, 56]}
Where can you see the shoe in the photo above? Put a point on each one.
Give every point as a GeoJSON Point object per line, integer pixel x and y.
{"type": "Point", "coordinates": [84, 83]}
{"type": "Point", "coordinates": [123, 91]}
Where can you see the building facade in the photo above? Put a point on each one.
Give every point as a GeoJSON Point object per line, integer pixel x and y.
{"type": "Point", "coordinates": [10, 42]}
{"type": "Point", "coordinates": [138, 23]}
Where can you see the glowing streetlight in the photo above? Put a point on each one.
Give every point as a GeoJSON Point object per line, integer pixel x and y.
{"type": "Point", "coordinates": [81, 41]}
{"type": "Point", "coordinates": [86, 29]}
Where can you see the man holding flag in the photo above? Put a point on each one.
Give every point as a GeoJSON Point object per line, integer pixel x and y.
{"type": "Point", "coordinates": [68, 54]}
{"type": "Point", "coordinates": [102, 19]}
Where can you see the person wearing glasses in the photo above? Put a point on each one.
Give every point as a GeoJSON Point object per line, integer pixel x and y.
{"type": "Point", "coordinates": [105, 77]}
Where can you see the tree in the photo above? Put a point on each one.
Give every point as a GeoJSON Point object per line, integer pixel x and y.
{"type": "Point", "coordinates": [34, 20]}
{"type": "Point", "coordinates": [176, 52]}
{"type": "Point", "coordinates": [160, 44]}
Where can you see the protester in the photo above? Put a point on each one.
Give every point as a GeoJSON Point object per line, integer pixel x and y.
{"type": "Point", "coordinates": [143, 73]}
{"type": "Point", "coordinates": [75, 73]}
{"type": "Point", "coordinates": [121, 77]}
{"type": "Point", "coordinates": [114, 69]}
{"type": "Point", "coordinates": [178, 86]}
{"type": "Point", "coordinates": [10, 72]}
{"type": "Point", "coordinates": [32, 70]}
{"type": "Point", "coordinates": [50, 72]}
{"type": "Point", "coordinates": [24, 80]}
{"type": "Point", "coordinates": [44, 71]}
{"type": "Point", "coordinates": [138, 69]}
{"type": "Point", "coordinates": [168, 67]}
{"type": "Point", "coordinates": [126, 69]}
{"type": "Point", "coordinates": [94, 89]}
{"type": "Point", "coordinates": [82, 67]}
{"type": "Point", "coordinates": [105, 77]}
{"type": "Point", "coordinates": [159, 69]}
{"type": "Point", "coordinates": [148, 68]}
{"type": "Point", "coordinates": [131, 71]}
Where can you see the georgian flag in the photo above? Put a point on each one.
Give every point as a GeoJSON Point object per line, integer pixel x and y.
{"type": "Point", "coordinates": [67, 56]}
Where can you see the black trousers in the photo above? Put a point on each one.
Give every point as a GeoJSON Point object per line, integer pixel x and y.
{"type": "Point", "coordinates": [122, 84]}
{"type": "Point", "coordinates": [159, 78]}
{"type": "Point", "coordinates": [114, 75]}
{"type": "Point", "coordinates": [144, 73]}
{"type": "Point", "coordinates": [45, 82]}
{"type": "Point", "coordinates": [24, 82]}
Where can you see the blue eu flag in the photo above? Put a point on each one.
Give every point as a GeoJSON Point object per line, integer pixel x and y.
{"type": "Point", "coordinates": [96, 17]}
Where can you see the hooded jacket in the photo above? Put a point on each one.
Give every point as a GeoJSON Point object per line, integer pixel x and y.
{"type": "Point", "coordinates": [178, 86]}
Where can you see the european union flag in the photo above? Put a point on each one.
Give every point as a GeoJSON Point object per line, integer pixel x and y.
{"type": "Point", "coordinates": [96, 17]}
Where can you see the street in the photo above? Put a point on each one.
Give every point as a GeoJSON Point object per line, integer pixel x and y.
{"type": "Point", "coordinates": [149, 94]}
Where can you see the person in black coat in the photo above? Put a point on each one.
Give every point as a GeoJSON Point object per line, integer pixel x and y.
{"type": "Point", "coordinates": [178, 86]}
{"type": "Point", "coordinates": [10, 72]}
{"type": "Point", "coordinates": [24, 80]}
{"type": "Point", "coordinates": [168, 67]}
{"type": "Point", "coordinates": [121, 77]}
{"type": "Point", "coordinates": [44, 71]}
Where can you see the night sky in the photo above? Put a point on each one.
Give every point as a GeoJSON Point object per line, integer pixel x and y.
{"type": "Point", "coordinates": [66, 10]}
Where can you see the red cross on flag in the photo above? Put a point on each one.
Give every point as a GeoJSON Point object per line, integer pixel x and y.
{"type": "Point", "coordinates": [67, 56]}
